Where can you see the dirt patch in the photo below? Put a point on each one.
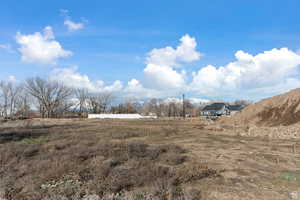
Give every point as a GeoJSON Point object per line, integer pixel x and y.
{"type": "Point", "coordinates": [145, 159]}
{"type": "Point", "coordinates": [279, 110]}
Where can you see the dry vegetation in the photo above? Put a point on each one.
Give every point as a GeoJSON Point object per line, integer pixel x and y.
{"type": "Point", "coordinates": [142, 159]}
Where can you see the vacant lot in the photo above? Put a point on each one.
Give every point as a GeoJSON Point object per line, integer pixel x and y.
{"type": "Point", "coordinates": [143, 159]}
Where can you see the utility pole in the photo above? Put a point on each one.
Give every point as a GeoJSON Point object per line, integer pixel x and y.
{"type": "Point", "coordinates": [183, 106]}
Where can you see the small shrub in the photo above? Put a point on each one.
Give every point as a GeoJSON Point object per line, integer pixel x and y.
{"type": "Point", "coordinates": [136, 150]}
{"type": "Point", "coordinates": [174, 159]}
{"type": "Point", "coordinates": [86, 175]}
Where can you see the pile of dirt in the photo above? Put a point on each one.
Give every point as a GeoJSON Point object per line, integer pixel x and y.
{"type": "Point", "coordinates": [275, 111]}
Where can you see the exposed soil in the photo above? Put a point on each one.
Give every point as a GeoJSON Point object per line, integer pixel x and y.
{"type": "Point", "coordinates": [275, 111]}
{"type": "Point", "coordinates": [143, 159]}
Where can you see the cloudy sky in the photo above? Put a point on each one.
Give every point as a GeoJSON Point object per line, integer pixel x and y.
{"type": "Point", "coordinates": [217, 49]}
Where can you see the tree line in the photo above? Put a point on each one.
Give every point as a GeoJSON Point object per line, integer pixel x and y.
{"type": "Point", "coordinates": [44, 98]}
{"type": "Point", "coordinates": [50, 99]}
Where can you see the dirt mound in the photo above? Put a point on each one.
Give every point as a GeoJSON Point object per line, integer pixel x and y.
{"type": "Point", "coordinates": [275, 111]}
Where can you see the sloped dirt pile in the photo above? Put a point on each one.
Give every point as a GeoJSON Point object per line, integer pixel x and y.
{"type": "Point", "coordinates": [275, 111]}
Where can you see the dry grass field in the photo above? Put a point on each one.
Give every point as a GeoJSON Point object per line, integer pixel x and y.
{"type": "Point", "coordinates": [143, 159]}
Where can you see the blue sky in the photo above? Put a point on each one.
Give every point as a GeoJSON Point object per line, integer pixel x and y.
{"type": "Point", "coordinates": [113, 40]}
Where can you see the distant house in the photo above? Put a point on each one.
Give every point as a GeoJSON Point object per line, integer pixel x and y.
{"type": "Point", "coordinates": [219, 109]}
{"type": "Point", "coordinates": [235, 108]}
{"type": "Point", "coordinates": [215, 109]}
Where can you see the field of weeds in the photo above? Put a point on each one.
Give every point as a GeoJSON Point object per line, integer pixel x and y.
{"type": "Point", "coordinates": [142, 159]}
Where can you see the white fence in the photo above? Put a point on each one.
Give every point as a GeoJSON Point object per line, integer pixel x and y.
{"type": "Point", "coordinates": [118, 116]}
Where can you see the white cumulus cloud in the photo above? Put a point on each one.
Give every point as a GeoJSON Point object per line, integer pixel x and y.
{"type": "Point", "coordinates": [41, 48]}
{"type": "Point", "coordinates": [135, 89]}
{"type": "Point", "coordinates": [115, 87]}
{"type": "Point", "coordinates": [168, 56]}
{"type": "Point", "coordinates": [268, 71]}
{"type": "Point", "coordinates": [248, 76]}
{"type": "Point", "coordinates": [160, 72]}
{"type": "Point", "coordinates": [163, 77]}
{"type": "Point", "coordinates": [72, 78]}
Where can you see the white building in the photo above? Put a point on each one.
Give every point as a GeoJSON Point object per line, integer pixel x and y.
{"type": "Point", "coordinates": [118, 116]}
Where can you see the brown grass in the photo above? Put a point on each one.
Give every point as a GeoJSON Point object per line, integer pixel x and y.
{"type": "Point", "coordinates": [139, 159]}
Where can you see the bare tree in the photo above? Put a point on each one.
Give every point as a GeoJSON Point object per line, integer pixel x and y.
{"type": "Point", "coordinates": [106, 100]}
{"type": "Point", "coordinates": [53, 97]}
{"type": "Point", "coordinates": [130, 105]}
{"type": "Point", "coordinates": [243, 102]}
{"type": "Point", "coordinates": [99, 102]}
{"type": "Point", "coordinates": [93, 105]}
{"type": "Point", "coordinates": [23, 104]}
{"type": "Point", "coordinates": [81, 95]}
{"type": "Point", "coordinates": [1, 110]}
{"type": "Point", "coordinates": [174, 109]}
{"type": "Point", "coordinates": [4, 98]}
{"type": "Point", "coordinates": [171, 108]}
{"type": "Point", "coordinates": [14, 93]}
{"type": "Point", "coordinates": [189, 107]}
{"type": "Point", "coordinates": [9, 94]}
{"type": "Point", "coordinates": [155, 106]}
